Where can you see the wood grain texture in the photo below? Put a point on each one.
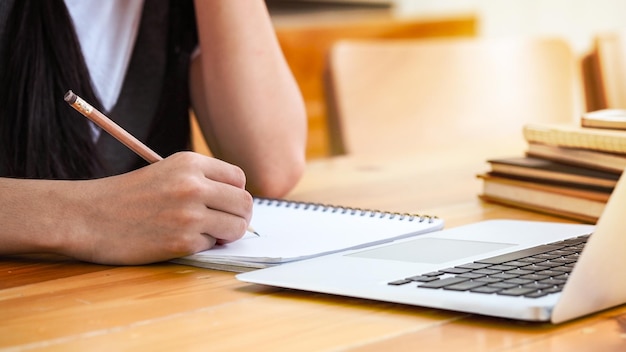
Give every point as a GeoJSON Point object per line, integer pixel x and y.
{"type": "Point", "coordinates": [166, 306]}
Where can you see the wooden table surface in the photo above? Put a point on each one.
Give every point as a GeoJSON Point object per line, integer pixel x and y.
{"type": "Point", "coordinates": [53, 303]}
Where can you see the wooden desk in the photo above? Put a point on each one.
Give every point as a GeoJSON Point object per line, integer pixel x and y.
{"type": "Point", "coordinates": [58, 304]}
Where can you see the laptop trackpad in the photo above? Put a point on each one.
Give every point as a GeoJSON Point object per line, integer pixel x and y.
{"type": "Point", "coordinates": [431, 250]}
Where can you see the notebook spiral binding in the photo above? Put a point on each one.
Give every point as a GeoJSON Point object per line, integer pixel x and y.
{"type": "Point", "coordinates": [343, 210]}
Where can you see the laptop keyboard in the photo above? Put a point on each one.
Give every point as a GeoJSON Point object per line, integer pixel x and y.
{"type": "Point", "coordinates": [533, 272]}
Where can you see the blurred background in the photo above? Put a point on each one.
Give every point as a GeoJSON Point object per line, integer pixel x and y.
{"type": "Point", "coordinates": [576, 20]}
{"type": "Point", "coordinates": [308, 30]}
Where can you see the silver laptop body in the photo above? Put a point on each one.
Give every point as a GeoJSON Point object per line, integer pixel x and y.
{"type": "Point", "coordinates": [594, 283]}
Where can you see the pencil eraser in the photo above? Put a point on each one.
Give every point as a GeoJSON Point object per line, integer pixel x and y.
{"type": "Point", "coordinates": [70, 97]}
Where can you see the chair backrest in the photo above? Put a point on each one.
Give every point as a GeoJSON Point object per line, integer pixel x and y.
{"type": "Point", "coordinates": [306, 37]}
{"type": "Point", "coordinates": [392, 96]}
{"type": "Point", "coordinates": [605, 72]}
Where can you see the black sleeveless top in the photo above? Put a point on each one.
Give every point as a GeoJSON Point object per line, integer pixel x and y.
{"type": "Point", "coordinates": [153, 104]}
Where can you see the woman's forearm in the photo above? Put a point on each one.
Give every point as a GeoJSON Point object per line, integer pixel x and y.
{"type": "Point", "coordinates": [30, 216]}
{"type": "Point", "coordinates": [245, 96]}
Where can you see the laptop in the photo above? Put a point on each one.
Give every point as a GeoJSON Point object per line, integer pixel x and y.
{"type": "Point", "coordinates": [523, 270]}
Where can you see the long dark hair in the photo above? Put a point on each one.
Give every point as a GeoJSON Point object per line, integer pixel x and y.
{"type": "Point", "coordinates": [40, 135]}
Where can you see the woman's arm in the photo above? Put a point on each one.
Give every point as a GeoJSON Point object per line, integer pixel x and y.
{"type": "Point", "coordinates": [172, 208]}
{"type": "Point", "coordinates": [245, 97]}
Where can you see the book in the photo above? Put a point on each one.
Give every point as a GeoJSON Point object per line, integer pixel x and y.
{"type": "Point", "coordinates": [614, 119]}
{"type": "Point", "coordinates": [291, 230]}
{"type": "Point", "coordinates": [572, 136]}
{"type": "Point", "coordinates": [610, 162]}
{"type": "Point", "coordinates": [583, 204]}
{"type": "Point", "coordinates": [544, 170]}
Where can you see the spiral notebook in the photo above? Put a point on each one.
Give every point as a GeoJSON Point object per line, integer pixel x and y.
{"type": "Point", "coordinates": [290, 231]}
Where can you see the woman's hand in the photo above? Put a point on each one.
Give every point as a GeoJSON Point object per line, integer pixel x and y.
{"type": "Point", "coordinates": [175, 207]}
{"type": "Point", "coordinates": [181, 205]}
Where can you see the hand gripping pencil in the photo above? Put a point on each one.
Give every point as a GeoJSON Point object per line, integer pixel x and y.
{"type": "Point", "coordinates": [115, 130]}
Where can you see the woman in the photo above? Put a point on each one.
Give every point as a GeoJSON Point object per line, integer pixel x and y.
{"type": "Point", "coordinates": [68, 188]}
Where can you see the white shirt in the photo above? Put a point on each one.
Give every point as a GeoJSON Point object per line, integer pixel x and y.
{"type": "Point", "coordinates": [106, 30]}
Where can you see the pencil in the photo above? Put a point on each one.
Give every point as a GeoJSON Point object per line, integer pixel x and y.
{"type": "Point", "coordinates": [111, 127]}
{"type": "Point", "coordinates": [116, 131]}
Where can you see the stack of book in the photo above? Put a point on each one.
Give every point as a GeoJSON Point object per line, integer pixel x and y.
{"type": "Point", "coordinates": [568, 170]}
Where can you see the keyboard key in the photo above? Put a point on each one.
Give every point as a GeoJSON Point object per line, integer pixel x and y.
{"type": "Point", "coordinates": [489, 279]}
{"type": "Point", "coordinates": [473, 266]}
{"type": "Point", "coordinates": [554, 289]}
{"type": "Point", "coordinates": [422, 278]}
{"type": "Point", "coordinates": [537, 286]}
{"type": "Point", "coordinates": [503, 276]}
{"type": "Point", "coordinates": [516, 291]}
{"type": "Point", "coordinates": [500, 259]}
{"type": "Point", "coordinates": [546, 256]}
{"type": "Point", "coordinates": [549, 264]}
{"type": "Point", "coordinates": [518, 281]}
{"type": "Point", "coordinates": [487, 271]}
{"type": "Point", "coordinates": [485, 289]}
{"type": "Point", "coordinates": [473, 275]}
{"type": "Point", "coordinates": [536, 294]}
{"type": "Point", "coordinates": [535, 267]}
{"type": "Point", "coordinates": [534, 277]}
{"type": "Point", "coordinates": [434, 273]}
{"type": "Point", "coordinates": [502, 267]}
{"type": "Point", "coordinates": [562, 252]}
{"type": "Point", "coordinates": [455, 270]}
{"type": "Point", "coordinates": [517, 263]}
{"type": "Point", "coordinates": [549, 273]}
{"type": "Point", "coordinates": [399, 282]}
{"type": "Point", "coordinates": [465, 286]}
{"type": "Point", "coordinates": [574, 241]}
{"type": "Point", "coordinates": [554, 282]}
{"type": "Point", "coordinates": [520, 272]}
{"type": "Point", "coordinates": [502, 285]}
{"type": "Point", "coordinates": [443, 282]}
{"type": "Point", "coordinates": [563, 269]}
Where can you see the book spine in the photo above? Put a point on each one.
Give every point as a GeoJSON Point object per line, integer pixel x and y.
{"type": "Point", "coordinates": [604, 142]}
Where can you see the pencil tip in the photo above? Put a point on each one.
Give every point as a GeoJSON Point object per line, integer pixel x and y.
{"type": "Point", "coordinates": [70, 97]}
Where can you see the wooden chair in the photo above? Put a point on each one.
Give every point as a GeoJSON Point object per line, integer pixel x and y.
{"type": "Point", "coordinates": [198, 142]}
{"type": "Point", "coordinates": [306, 42]}
{"type": "Point", "coordinates": [605, 72]}
{"type": "Point", "coordinates": [396, 96]}
{"type": "Point", "coordinates": [306, 36]}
